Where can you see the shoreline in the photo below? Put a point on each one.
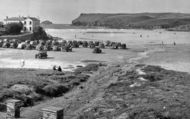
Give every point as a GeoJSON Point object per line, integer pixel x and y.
{"type": "Point", "coordinates": [70, 26]}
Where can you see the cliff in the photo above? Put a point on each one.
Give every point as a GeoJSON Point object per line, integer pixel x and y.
{"type": "Point", "coordinates": [138, 20]}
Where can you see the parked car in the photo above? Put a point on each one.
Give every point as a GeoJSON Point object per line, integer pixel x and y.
{"type": "Point", "coordinates": [41, 55]}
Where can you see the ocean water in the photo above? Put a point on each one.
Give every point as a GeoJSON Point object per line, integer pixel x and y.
{"type": "Point", "coordinates": [131, 37]}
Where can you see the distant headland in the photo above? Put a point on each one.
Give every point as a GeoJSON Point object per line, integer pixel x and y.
{"type": "Point", "coordinates": [170, 21]}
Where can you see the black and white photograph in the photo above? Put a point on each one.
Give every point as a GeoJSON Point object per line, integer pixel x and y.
{"type": "Point", "coordinates": [94, 59]}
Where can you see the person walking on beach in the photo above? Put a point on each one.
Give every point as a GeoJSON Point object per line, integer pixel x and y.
{"type": "Point", "coordinates": [54, 68]}
{"type": "Point", "coordinates": [59, 69]}
{"type": "Point", "coordinates": [162, 45]}
{"type": "Point", "coordinates": [174, 43]}
{"type": "Point", "coordinates": [22, 63]}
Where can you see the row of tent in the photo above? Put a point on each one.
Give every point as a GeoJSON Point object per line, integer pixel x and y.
{"type": "Point", "coordinates": [55, 45]}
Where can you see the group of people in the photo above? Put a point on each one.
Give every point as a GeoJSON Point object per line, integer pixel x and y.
{"type": "Point", "coordinates": [174, 43]}
{"type": "Point", "coordinates": [57, 68]}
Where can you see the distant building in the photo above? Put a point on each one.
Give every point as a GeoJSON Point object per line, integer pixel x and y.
{"type": "Point", "coordinates": [29, 23]}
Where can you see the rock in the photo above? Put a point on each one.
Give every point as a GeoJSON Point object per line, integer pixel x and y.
{"type": "Point", "coordinates": [123, 116]}
{"type": "Point", "coordinates": [21, 88]}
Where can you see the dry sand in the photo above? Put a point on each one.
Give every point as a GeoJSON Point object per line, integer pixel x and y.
{"type": "Point", "coordinates": [13, 58]}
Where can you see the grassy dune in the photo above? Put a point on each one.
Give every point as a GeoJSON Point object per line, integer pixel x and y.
{"type": "Point", "coordinates": [34, 85]}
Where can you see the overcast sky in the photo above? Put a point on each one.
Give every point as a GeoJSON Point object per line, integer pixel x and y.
{"type": "Point", "coordinates": [64, 11]}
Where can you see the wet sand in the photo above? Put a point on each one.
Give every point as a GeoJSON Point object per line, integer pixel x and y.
{"type": "Point", "coordinates": [170, 57]}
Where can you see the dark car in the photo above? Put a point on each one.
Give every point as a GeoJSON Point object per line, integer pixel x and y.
{"type": "Point", "coordinates": [41, 55]}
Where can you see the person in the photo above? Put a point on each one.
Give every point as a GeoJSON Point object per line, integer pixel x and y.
{"type": "Point", "coordinates": [54, 68]}
{"type": "Point", "coordinates": [59, 69]}
{"type": "Point", "coordinates": [174, 43]}
{"type": "Point", "coordinates": [22, 63]}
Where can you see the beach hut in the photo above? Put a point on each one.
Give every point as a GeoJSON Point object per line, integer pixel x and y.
{"type": "Point", "coordinates": [79, 42]}
{"type": "Point", "coordinates": [41, 42]}
{"type": "Point", "coordinates": [6, 45]}
{"type": "Point", "coordinates": [66, 48]}
{"type": "Point", "coordinates": [92, 45]}
{"type": "Point", "coordinates": [114, 46]}
{"type": "Point", "coordinates": [47, 48]}
{"type": "Point", "coordinates": [13, 40]}
{"type": "Point", "coordinates": [55, 43]}
{"type": "Point", "coordinates": [27, 41]}
{"type": "Point", "coordinates": [56, 48]}
{"type": "Point", "coordinates": [97, 43]}
{"type": "Point", "coordinates": [29, 47]}
{"type": "Point", "coordinates": [39, 47]}
{"type": "Point", "coordinates": [85, 44]}
{"type": "Point", "coordinates": [101, 45]}
{"type": "Point", "coordinates": [108, 43]}
{"type": "Point", "coordinates": [1, 43]}
{"type": "Point", "coordinates": [21, 45]}
{"type": "Point", "coordinates": [75, 44]}
{"type": "Point", "coordinates": [5, 40]}
{"type": "Point", "coordinates": [14, 45]}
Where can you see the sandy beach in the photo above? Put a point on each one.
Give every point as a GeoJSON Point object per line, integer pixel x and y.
{"type": "Point", "coordinates": [147, 48]}
{"type": "Point", "coordinates": [11, 58]}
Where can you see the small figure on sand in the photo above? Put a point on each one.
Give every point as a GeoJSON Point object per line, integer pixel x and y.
{"type": "Point", "coordinates": [162, 43]}
{"type": "Point", "coordinates": [174, 43]}
{"type": "Point", "coordinates": [59, 69]}
{"type": "Point", "coordinates": [22, 63]}
{"type": "Point", "coordinates": [55, 68]}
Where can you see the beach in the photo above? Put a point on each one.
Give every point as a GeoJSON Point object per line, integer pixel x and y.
{"type": "Point", "coordinates": [149, 47]}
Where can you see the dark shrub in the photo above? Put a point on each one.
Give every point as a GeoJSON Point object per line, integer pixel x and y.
{"type": "Point", "coordinates": [89, 67]}
{"type": "Point", "coordinates": [97, 50]}
{"type": "Point", "coordinates": [54, 90]}
{"type": "Point", "coordinates": [67, 48]}
{"type": "Point", "coordinates": [39, 33]}
{"type": "Point", "coordinates": [153, 77]}
{"type": "Point", "coordinates": [13, 28]}
{"type": "Point", "coordinates": [7, 93]}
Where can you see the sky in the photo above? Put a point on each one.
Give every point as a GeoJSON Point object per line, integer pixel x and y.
{"type": "Point", "coordinates": [64, 11]}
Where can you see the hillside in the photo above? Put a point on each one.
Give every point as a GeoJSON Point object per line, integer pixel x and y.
{"type": "Point", "coordinates": [138, 20]}
{"type": "Point", "coordinates": [46, 22]}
